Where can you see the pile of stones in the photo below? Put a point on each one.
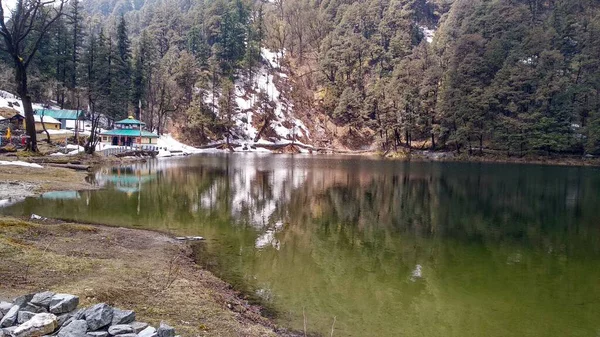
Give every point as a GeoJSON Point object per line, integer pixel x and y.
{"type": "Point", "coordinates": [50, 314]}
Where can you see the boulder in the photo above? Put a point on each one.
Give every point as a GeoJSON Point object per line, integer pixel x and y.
{"type": "Point", "coordinates": [10, 318]}
{"type": "Point", "coordinates": [98, 316]}
{"type": "Point", "coordinates": [42, 299]}
{"type": "Point", "coordinates": [147, 332]}
{"type": "Point", "coordinates": [39, 325]}
{"type": "Point", "coordinates": [23, 299]}
{"type": "Point", "coordinates": [32, 308]}
{"type": "Point", "coordinates": [9, 331]}
{"type": "Point", "coordinates": [120, 329]}
{"type": "Point", "coordinates": [122, 316]}
{"type": "Point", "coordinates": [139, 326]}
{"type": "Point", "coordinates": [76, 328]}
{"type": "Point", "coordinates": [5, 307]}
{"type": "Point", "coordinates": [24, 316]}
{"type": "Point", "coordinates": [128, 335]}
{"type": "Point", "coordinates": [67, 318]}
{"type": "Point", "coordinates": [97, 334]}
{"type": "Point", "coordinates": [61, 303]}
{"type": "Point", "coordinates": [165, 330]}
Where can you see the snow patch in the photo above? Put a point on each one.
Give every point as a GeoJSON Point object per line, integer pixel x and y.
{"type": "Point", "coordinates": [428, 33]}
{"type": "Point", "coordinates": [19, 163]}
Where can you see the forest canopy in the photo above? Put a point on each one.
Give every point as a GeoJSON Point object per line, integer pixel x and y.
{"type": "Point", "coordinates": [470, 76]}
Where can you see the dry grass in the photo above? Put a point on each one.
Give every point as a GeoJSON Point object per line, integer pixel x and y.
{"type": "Point", "coordinates": [140, 270]}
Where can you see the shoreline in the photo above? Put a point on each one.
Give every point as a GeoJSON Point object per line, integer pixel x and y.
{"type": "Point", "coordinates": [136, 268]}
{"type": "Point", "coordinates": [81, 258]}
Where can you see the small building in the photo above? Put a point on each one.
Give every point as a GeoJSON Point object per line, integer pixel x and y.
{"type": "Point", "coordinates": [49, 122]}
{"type": "Point", "coordinates": [69, 119]}
{"type": "Point", "coordinates": [128, 132]}
{"type": "Point", "coordinates": [12, 117]}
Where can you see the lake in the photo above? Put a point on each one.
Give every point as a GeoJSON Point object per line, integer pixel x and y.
{"type": "Point", "coordinates": [373, 247]}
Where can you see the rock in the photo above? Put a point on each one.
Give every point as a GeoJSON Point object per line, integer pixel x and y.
{"type": "Point", "coordinates": [139, 326]}
{"type": "Point", "coordinates": [122, 316]}
{"type": "Point", "coordinates": [71, 316]}
{"type": "Point", "coordinates": [39, 325]}
{"type": "Point", "coordinates": [99, 316]}
{"type": "Point", "coordinates": [120, 329]}
{"type": "Point", "coordinates": [9, 331]}
{"type": "Point", "coordinates": [10, 318]}
{"type": "Point", "coordinates": [5, 307]}
{"type": "Point", "coordinates": [165, 330]}
{"type": "Point", "coordinates": [97, 334]}
{"type": "Point", "coordinates": [61, 303]}
{"type": "Point", "coordinates": [76, 328]}
{"type": "Point", "coordinates": [22, 300]}
{"type": "Point", "coordinates": [24, 316]}
{"type": "Point", "coordinates": [32, 308]}
{"type": "Point", "coordinates": [147, 332]}
{"type": "Point", "coordinates": [42, 299]}
{"type": "Point", "coordinates": [128, 335]}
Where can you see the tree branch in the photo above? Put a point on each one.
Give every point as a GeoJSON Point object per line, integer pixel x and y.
{"type": "Point", "coordinates": [43, 31]}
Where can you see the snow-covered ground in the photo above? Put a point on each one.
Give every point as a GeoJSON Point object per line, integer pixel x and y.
{"type": "Point", "coordinates": [286, 127]}
{"type": "Point", "coordinates": [8, 100]}
{"type": "Point", "coordinates": [19, 163]}
{"type": "Point", "coordinates": [428, 33]}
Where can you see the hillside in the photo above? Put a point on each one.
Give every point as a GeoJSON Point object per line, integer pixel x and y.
{"type": "Point", "coordinates": [471, 76]}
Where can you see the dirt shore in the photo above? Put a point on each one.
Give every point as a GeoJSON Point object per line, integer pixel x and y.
{"type": "Point", "coordinates": [148, 272]}
{"type": "Point", "coordinates": [144, 271]}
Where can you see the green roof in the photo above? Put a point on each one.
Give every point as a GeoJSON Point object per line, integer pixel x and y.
{"type": "Point", "coordinates": [129, 133]}
{"type": "Point", "coordinates": [130, 121]}
{"type": "Point", "coordinates": [61, 114]}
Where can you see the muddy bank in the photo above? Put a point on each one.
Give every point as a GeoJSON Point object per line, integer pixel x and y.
{"type": "Point", "coordinates": [148, 272]}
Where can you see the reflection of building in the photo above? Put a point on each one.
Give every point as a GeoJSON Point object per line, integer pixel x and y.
{"type": "Point", "coordinates": [125, 179]}
{"type": "Point", "coordinates": [127, 133]}
{"type": "Point", "coordinates": [61, 195]}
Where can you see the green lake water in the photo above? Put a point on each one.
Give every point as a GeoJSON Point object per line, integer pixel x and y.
{"type": "Point", "coordinates": [387, 248]}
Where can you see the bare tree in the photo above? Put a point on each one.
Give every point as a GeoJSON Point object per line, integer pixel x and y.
{"type": "Point", "coordinates": [22, 34]}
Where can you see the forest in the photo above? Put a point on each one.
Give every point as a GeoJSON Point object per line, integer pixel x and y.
{"type": "Point", "coordinates": [513, 77]}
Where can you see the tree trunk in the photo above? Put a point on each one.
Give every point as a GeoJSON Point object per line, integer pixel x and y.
{"type": "Point", "coordinates": [22, 90]}
{"type": "Point", "coordinates": [44, 128]}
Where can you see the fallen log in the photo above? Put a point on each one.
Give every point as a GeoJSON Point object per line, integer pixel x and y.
{"type": "Point", "coordinates": [71, 166]}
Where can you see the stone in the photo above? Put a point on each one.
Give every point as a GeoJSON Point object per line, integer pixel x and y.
{"type": "Point", "coordinates": [76, 328]}
{"type": "Point", "coordinates": [61, 303]}
{"type": "Point", "coordinates": [147, 332]}
{"type": "Point", "coordinates": [165, 330]}
{"type": "Point", "coordinates": [97, 334]}
{"type": "Point", "coordinates": [10, 318]}
{"type": "Point", "coordinates": [33, 308]}
{"type": "Point", "coordinates": [5, 307]}
{"type": "Point", "coordinates": [67, 318]}
{"type": "Point", "coordinates": [122, 316]}
{"type": "Point", "coordinates": [42, 299]}
{"type": "Point", "coordinates": [24, 316]}
{"type": "Point", "coordinates": [39, 325]}
{"type": "Point", "coordinates": [9, 331]}
{"type": "Point", "coordinates": [98, 316]}
{"type": "Point", "coordinates": [23, 299]}
{"type": "Point", "coordinates": [131, 334]}
{"type": "Point", "coordinates": [139, 326]}
{"type": "Point", "coordinates": [120, 329]}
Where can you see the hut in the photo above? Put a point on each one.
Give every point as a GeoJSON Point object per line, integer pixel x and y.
{"type": "Point", "coordinates": [69, 119]}
{"type": "Point", "coordinates": [128, 132]}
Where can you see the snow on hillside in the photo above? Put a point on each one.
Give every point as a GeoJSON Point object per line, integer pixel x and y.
{"type": "Point", "coordinates": [427, 33]}
{"type": "Point", "coordinates": [8, 100]}
{"type": "Point", "coordinates": [285, 126]}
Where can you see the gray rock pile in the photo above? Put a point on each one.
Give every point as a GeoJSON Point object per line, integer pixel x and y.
{"type": "Point", "coordinates": [50, 314]}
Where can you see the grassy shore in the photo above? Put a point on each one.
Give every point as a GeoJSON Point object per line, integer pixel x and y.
{"type": "Point", "coordinates": [144, 271]}
{"type": "Point", "coordinates": [148, 272]}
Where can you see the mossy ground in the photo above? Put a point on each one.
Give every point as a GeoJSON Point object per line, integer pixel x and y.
{"type": "Point", "coordinates": [144, 271]}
